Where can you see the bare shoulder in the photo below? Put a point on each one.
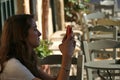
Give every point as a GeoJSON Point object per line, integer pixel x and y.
{"type": "Point", "coordinates": [14, 68]}
{"type": "Point", "coordinates": [12, 63]}
{"type": "Point", "coordinates": [36, 79]}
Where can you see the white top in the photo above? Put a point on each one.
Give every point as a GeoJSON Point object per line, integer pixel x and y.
{"type": "Point", "coordinates": [14, 70]}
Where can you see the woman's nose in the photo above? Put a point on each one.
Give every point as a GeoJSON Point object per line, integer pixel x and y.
{"type": "Point", "coordinates": [39, 33]}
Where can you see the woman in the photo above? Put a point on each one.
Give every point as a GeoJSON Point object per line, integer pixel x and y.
{"type": "Point", "coordinates": [18, 60]}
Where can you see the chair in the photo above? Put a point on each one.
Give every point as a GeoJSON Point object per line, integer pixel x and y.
{"type": "Point", "coordinates": [106, 6]}
{"type": "Point", "coordinates": [90, 20]}
{"type": "Point", "coordinates": [113, 23]}
{"type": "Point", "coordinates": [56, 60]}
{"type": "Point", "coordinates": [102, 28]}
{"type": "Point", "coordinates": [92, 48]}
{"type": "Point", "coordinates": [105, 29]}
{"type": "Point", "coordinates": [102, 32]}
{"type": "Point", "coordinates": [117, 8]}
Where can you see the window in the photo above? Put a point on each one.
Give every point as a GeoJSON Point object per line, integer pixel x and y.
{"type": "Point", "coordinates": [7, 8]}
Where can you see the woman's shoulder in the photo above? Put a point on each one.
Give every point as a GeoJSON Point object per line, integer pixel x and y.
{"type": "Point", "coordinates": [13, 65]}
{"type": "Point", "coordinates": [13, 62]}
{"type": "Point", "coordinates": [14, 68]}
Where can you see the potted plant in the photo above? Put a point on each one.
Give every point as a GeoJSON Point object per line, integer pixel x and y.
{"type": "Point", "coordinates": [43, 49]}
{"type": "Point", "coordinates": [72, 8]}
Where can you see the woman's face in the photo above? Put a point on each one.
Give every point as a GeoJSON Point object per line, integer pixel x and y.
{"type": "Point", "coordinates": [33, 38]}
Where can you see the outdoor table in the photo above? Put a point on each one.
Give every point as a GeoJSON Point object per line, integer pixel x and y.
{"type": "Point", "coordinates": [103, 65]}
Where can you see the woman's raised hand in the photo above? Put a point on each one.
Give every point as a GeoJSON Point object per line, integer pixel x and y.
{"type": "Point", "coordinates": [68, 45]}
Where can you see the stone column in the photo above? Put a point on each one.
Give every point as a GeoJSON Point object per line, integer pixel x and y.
{"type": "Point", "coordinates": [23, 7]}
{"type": "Point", "coordinates": [45, 11]}
{"type": "Point", "coordinates": [60, 14]}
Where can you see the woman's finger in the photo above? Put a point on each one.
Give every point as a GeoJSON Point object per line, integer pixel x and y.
{"type": "Point", "coordinates": [64, 38]}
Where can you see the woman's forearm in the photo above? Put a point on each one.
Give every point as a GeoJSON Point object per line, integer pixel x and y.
{"type": "Point", "coordinates": [65, 69]}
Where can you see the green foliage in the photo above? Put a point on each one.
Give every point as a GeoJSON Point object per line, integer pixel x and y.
{"type": "Point", "coordinates": [79, 6]}
{"type": "Point", "coordinates": [87, 0]}
{"type": "Point", "coordinates": [73, 1]}
{"type": "Point", "coordinates": [43, 49]}
{"type": "Point", "coordinates": [72, 7]}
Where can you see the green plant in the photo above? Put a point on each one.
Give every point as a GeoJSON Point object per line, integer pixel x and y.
{"type": "Point", "coordinates": [43, 49]}
{"type": "Point", "coordinates": [72, 7]}
{"type": "Point", "coordinates": [86, 0]}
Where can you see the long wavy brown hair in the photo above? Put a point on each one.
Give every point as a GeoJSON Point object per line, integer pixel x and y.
{"type": "Point", "coordinates": [13, 45]}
